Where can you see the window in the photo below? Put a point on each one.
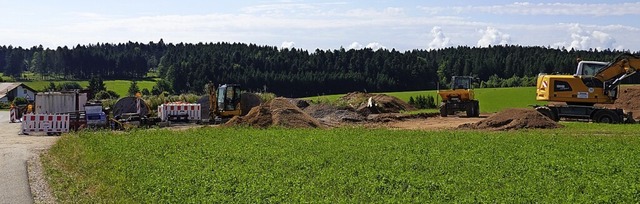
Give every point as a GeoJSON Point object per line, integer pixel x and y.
{"type": "Point", "coordinates": [561, 86]}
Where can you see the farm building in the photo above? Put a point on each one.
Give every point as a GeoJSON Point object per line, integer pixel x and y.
{"type": "Point", "coordinates": [9, 91]}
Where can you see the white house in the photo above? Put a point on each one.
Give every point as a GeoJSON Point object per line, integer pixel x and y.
{"type": "Point", "coordinates": [9, 91]}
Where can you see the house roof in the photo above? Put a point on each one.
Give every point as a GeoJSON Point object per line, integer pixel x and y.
{"type": "Point", "coordinates": [7, 87]}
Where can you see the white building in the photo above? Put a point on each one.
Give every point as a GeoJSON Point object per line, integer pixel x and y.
{"type": "Point", "coordinates": [9, 91]}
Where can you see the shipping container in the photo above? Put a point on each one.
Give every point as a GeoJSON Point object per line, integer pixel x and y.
{"type": "Point", "coordinates": [60, 102]}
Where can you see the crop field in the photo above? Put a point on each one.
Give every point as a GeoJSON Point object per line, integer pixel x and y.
{"type": "Point", "coordinates": [491, 99]}
{"type": "Point", "coordinates": [580, 163]}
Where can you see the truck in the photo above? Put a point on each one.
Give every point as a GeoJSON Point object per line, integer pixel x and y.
{"type": "Point", "coordinates": [459, 98]}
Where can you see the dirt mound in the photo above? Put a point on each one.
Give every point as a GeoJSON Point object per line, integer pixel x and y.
{"type": "Point", "coordinates": [512, 119]}
{"type": "Point", "coordinates": [277, 112]}
{"type": "Point", "coordinates": [333, 116]}
{"type": "Point", "coordinates": [382, 103]}
{"type": "Point", "coordinates": [628, 100]}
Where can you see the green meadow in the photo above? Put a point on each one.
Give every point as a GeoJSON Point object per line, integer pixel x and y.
{"type": "Point", "coordinates": [581, 163]}
{"type": "Point", "coordinates": [121, 87]}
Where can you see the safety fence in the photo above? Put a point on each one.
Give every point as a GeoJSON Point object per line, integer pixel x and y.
{"type": "Point", "coordinates": [49, 123]}
{"type": "Point", "coordinates": [13, 115]}
{"type": "Point", "coordinates": [179, 111]}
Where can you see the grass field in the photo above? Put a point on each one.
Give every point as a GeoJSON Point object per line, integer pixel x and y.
{"type": "Point", "coordinates": [581, 163]}
{"type": "Point", "coordinates": [491, 99]}
{"type": "Point", "coordinates": [121, 87]}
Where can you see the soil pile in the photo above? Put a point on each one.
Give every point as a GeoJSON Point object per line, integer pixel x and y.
{"type": "Point", "coordinates": [333, 116]}
{"type": "Point", "coordinates": [277, 112]}
{"type": "Point", "coordinates": [383, 103]}
{"type": "Point", "coordinates": [512, 119]}
{"type": "Point", "coordinates": [629, 100]}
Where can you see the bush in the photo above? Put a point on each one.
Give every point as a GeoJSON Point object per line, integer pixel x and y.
{"type": "Point", "coordinates": [423, 102]}
{"type": "Point", "coordinates": [20, 101]}
{"type": "Point", "coordinates": [109, 94]}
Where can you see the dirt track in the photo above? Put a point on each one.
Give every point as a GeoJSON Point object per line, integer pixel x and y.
{"type": "Point", "coordinates": [15, 151]}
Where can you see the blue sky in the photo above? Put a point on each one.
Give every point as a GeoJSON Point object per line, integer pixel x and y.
{"type": "Point", "coordinates": [401, 25]}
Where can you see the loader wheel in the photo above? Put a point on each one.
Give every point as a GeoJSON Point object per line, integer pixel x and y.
{"type": "Point", "coordinates": [443, 110]}
{"type": "Point", "coordinates": [548, 112]}
{"type": "Point", "coordinates": [606, 116]}
{"type": "Point", "coordinates": [477, 105]}
{"type": "Point", "coordinates": [471, 109]}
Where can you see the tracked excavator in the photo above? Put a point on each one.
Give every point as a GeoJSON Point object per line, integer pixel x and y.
{"type": "Point", "coordinates": [593, 83]}
{"type": "Point", "coordinates": [229, 100]}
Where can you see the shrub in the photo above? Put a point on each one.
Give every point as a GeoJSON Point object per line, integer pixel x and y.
{"type": "Point", "coordinates": [20, 101]}
{"type": "Point", "coordinates": [106, 95]}
{"type": "Point", "coordinates": [423, 102]}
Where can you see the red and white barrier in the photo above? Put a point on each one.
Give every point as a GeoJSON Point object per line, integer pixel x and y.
{"type": "Point", "coordinates": [13, 115]}
{"type": "Point", "coordinates": [48, 123]}
{"type": "Point", "coordinates": [191, 110]}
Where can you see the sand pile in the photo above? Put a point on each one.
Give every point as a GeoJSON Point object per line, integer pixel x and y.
{"type": "Point", "coordinates": [512, 119]}
{"type": "Point", "coordinates": [384, 103]}
{"type": "Point", "coordinates": [277, 112]}
{"type": "Point", "coordinates": [629, 100]}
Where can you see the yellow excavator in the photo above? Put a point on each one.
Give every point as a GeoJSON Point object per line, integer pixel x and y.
{"type": "Point", "coordinates": [593, 83]}
{"type": "Point", "coordinates": [459, 98]}
{"type": "Point", "coordinates": [229, 100]}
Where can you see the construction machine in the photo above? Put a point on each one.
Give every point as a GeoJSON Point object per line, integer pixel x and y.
{"type": "Point", "coordinates": [229, 100]}
{"type": "Point", "coordinates": [593, 83]}
{"type": "Point", "coordinates": [459, 98]}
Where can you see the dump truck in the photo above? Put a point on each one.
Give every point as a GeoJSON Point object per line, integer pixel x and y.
{"type": "Point", "coordinates": [459, 98]}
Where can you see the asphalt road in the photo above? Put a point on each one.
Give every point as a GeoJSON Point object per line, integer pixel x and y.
{"type": "Point", "coordinates": [15, 150]}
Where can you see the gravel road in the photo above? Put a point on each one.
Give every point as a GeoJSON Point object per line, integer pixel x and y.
{"type": "Point", "coordinates": [15, 152]}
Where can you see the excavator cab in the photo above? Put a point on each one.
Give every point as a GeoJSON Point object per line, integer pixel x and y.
{"type": "Point", "coordinates": [224, 101]}
{"type": "Point", "coordinates": [228, 97]}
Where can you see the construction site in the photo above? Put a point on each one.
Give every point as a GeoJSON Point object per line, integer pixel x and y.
{"type": "Point", "coordinates": [355, 109]}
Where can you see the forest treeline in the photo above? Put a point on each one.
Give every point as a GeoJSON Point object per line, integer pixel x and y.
{"type": "Point", "coordinates": [295, 72]}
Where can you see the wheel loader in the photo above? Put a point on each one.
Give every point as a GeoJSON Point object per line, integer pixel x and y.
{"type": "Point", "coordinates": [459, 98]}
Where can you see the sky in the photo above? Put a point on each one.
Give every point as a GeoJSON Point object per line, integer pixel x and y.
{"type": "Point", "coordinates": [326, 25]}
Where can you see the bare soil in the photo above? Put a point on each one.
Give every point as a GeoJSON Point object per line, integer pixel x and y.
{"type": "Point", "coordinates": [628, 100]}
{"type": "Point", "coordinates": [278, 112]}
{"type": "Point", "coordinates": [516, 118]}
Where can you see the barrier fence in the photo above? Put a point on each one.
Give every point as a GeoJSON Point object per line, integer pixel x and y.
{"type": "Point", "coordinates": [13, 115]}
{"type": "Point", "coordinates": [177, 111]}
{"type": "Point", "coordinates": [48, 123]}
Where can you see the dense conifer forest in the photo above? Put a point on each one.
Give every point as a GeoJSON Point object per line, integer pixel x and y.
{"type": "Point", "coordinates": [295, 72]}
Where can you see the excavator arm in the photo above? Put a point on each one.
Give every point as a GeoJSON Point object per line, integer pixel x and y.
{"type": "Point", "coordinates": [620, 68]}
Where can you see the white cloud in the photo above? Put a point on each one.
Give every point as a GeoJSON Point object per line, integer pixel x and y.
{"type": "Point", "coordinates": [287, 44]}
{"type": "Point", "coordinates": [439, 39]}
{"type": "Point", "coordinates": [376, 14]}
{"type": "Point", "coordinates": [492, 36]}
{"type": "Point", "coordinates": [375, 46]}
{"type": "Point", "coordinates": [355, 46]}
{"type": "Point", "coordinates": [583, 38]}
{"type": "Point", "coordinates": [526, 8]}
